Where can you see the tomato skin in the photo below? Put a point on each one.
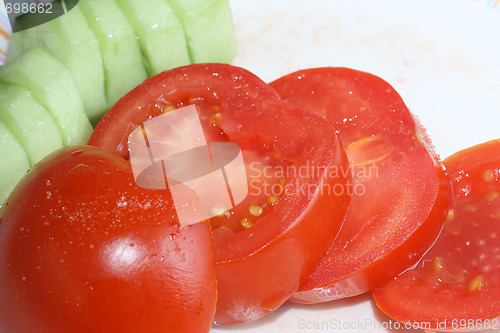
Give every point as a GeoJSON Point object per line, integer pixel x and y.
{"type": "Point", "coordinates": [261, 267]}
{"type": "Point", "coordinates": [368, 113]}
{"type": "Point", "coordinates": [83, 249]}
{"type": "Point", "coordinates": [456, 285]}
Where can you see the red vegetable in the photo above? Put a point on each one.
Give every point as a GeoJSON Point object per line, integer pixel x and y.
{"type": "Point", "coordinates": [83, 249]}
{"type": "Point", "coordinates": [273, 240]}
{"type": "Point", "coordinates": [400, 190]}
{"type": "Point", "coordinates": [456, 285]}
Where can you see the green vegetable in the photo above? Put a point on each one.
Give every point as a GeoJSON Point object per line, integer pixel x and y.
{"type": "Point", "coordinates": [52, 84]}
{"type": "Point", "coordinates": [71, 41]}
{"type": "Point", "coordinates": [13, 161]}
{"type": "Point", "coordinates": [208, 26]}
{"type": "Point", "coordinates": [123, 64]}
{"type": "Point", "coordinates": [160, 33]}
{"type": "Point", "coordinates": [30, 122]}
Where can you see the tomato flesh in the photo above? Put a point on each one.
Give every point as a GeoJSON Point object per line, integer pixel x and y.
{"type": "Point", "coordinates": [273, 240]}
{"type": "Point", "coordinates": [456, 285]}
{"type": "Point", "coordinates": [400, 196]}
{"type": "Point", "coordinates": [83, 249]}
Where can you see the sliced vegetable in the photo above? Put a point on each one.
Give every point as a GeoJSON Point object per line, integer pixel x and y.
{"type": "Point", "coordinates": [400, 192]}
{"type": "Point", "coordinates": [456, 285]}
{"type": "Point", "coordinates": [274, 238]}
{"type": "Point", "coordinates": [208, 26]}
{"type": "Point", "coordinates": [51, 84]}
{"type": "Point", "coordinates": [83, 249]}
{"type": "Point", "coordinates": [13, 161]}
{"type": "Point", "coordinates": [159, 32]}
{"type": "Point", "coordinates": [30, 122]}
{"type": "Point", "coordinates": [101, 45]}
{"type": "Point", "coordinates": [71, 41]}
{"type": "Point", "coordinates": [123, 64]}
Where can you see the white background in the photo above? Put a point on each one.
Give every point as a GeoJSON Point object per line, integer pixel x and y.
{"type": "Point", "coordinates": [442, 56]}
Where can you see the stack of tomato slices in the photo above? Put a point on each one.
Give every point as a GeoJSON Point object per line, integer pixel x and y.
{"type": "Point", "coordinates": [402, 192]}
{"type": "Point", "coordinates": [345, 194]}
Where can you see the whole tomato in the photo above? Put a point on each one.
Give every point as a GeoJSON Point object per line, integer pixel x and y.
{"type": "Point", "coordinates": [83, 249]}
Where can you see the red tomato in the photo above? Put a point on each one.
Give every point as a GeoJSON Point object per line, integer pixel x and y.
{"type": "Point", "coordinates": [272, 241]}
{"type": "Point", "coordinates": [83, 249]}
{"type": "Point", "coordinates": [400, 194]}
{"type": "Point", "coordinates": [456, 285]}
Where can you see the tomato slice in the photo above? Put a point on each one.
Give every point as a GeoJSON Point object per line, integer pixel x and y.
{"type": "Point", "coordinates": [456, 285]}
{"type": "Point", "coordinates": [400, 197]}
{"type": "Point", "coordinates": [83, 249]}
{"type": "Point", "coordinates": [267, 245]}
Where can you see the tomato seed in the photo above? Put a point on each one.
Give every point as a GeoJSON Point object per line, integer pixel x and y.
{"type": "Point", "coordinates": [214, 118]}
{"type": "Point", "coordinates": [477, 284]}
{"type": "Point", "coordinates": [471, 207]}
{"type": "Point", "coordinates": [246, 223]}
{"type": "Point", "coordinates": [489, 176]}
{"type": "Point", "coordinates": [255, 210]}
{"type": "Point", "coordinates": [272, 199]}
{"type": "Point", "coordinates": [492, 196]}
{"type": "Point", "coordinates": [168, 108]}
{"type": "Point", "coordinates": [451, 215]}
{"type": "Point", "coordinates": [276, 155]}
{"type": "Point", "coordinates": [437, 265]}
{"type": "Point", "coordinates": [281, 182]}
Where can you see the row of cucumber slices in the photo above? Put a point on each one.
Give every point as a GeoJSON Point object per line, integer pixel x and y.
{"type": "Point", "coordinates": [62, 76]}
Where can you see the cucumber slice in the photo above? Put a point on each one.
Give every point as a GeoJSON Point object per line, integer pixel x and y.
{"type": "Point", "coordinates": [30, 122]}
{"type": "Point", "coordinates": [209, 30]}
{"type": "Point", "coordinates": [13, 162]}
{"type": "Point", "coordinates": [160, 33]}
{"type": "Point", "coordinates": [51, 84]}
{"type": "Point", "coordinates": [71, 41]}
{"type": "Point", "coordinates": [123, 65]}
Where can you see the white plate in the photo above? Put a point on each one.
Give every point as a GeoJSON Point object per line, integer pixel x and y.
{"type": "Point", "coordinates": [442, 56]}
